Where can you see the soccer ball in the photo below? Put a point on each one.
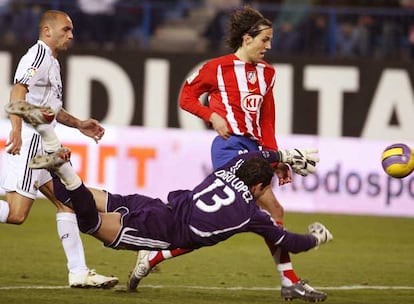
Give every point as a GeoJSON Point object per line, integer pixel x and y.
{"type": "Point", "coordinates": [398, 160]}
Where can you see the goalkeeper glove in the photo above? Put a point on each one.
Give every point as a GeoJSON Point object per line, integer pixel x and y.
{"type": "Point", "coordinates": [320, 232]}
{"type": "Point", "coordinates": [302, 161]}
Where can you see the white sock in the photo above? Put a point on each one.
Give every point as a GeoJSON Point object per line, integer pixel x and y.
{"type": "Point", "coordinates": [68, 176]}
{"type": "Point", "coordinates": [166, 254]}
{"type": "Point", "coordinates": [282, 267]}
{"type": "Point", "coordinates": [51, 142]}
{"type": "Point", "coordinates": [4, 211]}
{"type": "Point", "coordinates": [68, 231]}
{"type": "Point", "coordinates": [152, 254]}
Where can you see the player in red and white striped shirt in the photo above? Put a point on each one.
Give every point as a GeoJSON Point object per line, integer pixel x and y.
{"type": "Point", "coordinates": [241, 108]}
{"type": "Point", "coordinates": [240, 98]}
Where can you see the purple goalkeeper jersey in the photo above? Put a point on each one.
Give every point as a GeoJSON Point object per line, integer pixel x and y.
{"type": "Point", "coordinates": [216, 209]}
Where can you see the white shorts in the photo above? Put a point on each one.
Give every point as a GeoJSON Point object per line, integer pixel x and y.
{"type": "Point", "coordinates": [15, 172]}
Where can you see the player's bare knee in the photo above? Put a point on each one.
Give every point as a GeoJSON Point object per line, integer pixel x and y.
{"type": "Point", "coordinates": [16, 218]}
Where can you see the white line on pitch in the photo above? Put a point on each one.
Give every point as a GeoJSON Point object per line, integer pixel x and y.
{"type": "Point", "coordinates": [351, 287]}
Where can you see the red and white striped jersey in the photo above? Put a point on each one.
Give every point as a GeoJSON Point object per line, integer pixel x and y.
{"type": "Point", "coordinates": [240, 92]}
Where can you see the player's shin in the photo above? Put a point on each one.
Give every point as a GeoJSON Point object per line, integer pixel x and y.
{"type": "Point", "coordinates": [67, 228]}
{"type": "Point", "coordinates": [68, 176]}
{"type": "Point", "coordinates": [156, 257]}
{"type": "Point", "coordinates": [50, 140]}
{"type": "Point", "coordinates": [284, 265]}
{"type": "Point", "coordinates": [84, 205]}
{"type": "Point", "coordinates": [60, 191]}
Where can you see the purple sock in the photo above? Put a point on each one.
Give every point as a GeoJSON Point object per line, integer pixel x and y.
{"type": "Point", "coordinates": [83, 203]}
{"type": "Point", "coordinates": [60, 191]}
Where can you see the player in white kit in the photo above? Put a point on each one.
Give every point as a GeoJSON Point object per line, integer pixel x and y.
{"type": "Point", "coordinates": [38, 81]}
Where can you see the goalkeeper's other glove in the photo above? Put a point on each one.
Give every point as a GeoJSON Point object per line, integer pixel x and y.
{"type": "Point", "coordinates": [320, 232]}
{"type": "Point", "coordinates": [302, 161]}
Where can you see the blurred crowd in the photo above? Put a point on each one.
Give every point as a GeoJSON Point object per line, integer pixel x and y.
{"type": "Point", "coordinates": [344, 29]}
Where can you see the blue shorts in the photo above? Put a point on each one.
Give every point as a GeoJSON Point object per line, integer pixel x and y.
{"type": "Point", "coordinates": [223, 150]}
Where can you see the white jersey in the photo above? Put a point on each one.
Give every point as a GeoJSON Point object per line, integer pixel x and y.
{"type": "Point", "coordinates": [40, 71]}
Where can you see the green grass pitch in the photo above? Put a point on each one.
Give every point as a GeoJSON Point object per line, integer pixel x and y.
{"type": "Point", "coordinates": [371, 260]}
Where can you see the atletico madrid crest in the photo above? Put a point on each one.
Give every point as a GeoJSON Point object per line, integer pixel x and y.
{"type": "Point", "coordinates": [251, 77]}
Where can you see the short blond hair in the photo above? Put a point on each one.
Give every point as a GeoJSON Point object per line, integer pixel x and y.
{"type": "Point", "coordinates": [49, 18]}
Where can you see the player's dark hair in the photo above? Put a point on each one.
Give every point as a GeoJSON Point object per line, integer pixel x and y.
{"type": "Point", "coordinates": [243, 21]}
{"type": "Point", "coordinates": [255, 171]}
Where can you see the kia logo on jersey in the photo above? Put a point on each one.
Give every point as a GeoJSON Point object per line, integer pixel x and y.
{"type": "Point", "coordinates": [252, 102]}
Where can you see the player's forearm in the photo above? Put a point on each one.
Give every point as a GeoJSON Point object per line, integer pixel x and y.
{"type": "Point", "coordinates": [269, 156]}
{"type": "Point", "coordinates": [269, 137]}
{"type": "Point", "coordinates": [267, 125]}
{"type": "Point", "coordinates": [67, 119]}
{"type": "Point", "coordinates": [16, 122]}
{"type": "Point", "coordinates": [296, 243]}
{"type": "Point", "coordinates": [197, 109]}
{"type": "Point", "coordinates": [190, 103]}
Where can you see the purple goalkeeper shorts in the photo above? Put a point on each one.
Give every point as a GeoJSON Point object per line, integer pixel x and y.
{"type": "Point", "coordinates": [147, 223]}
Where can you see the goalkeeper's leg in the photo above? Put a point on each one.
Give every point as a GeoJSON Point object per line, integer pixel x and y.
{"type": "Point", "coordinates": [147, 260]}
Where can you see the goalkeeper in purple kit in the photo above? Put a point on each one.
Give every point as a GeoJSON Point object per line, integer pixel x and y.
{"type": "Point", "coordinates": [223, 204]}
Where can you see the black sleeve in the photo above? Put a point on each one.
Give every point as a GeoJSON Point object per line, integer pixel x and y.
{"type": "Point", "coordinates": [269, 156]}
